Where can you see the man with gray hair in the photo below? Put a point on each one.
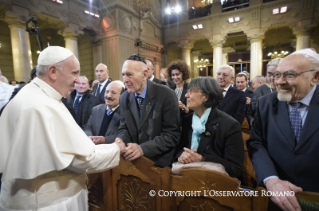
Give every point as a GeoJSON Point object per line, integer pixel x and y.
{"type": "Point", "coordinates": [257, 82]}
{"type": "Point", "coordinates": [234, 101]}
{"type": "Point", "coordinates": [266, 88]}
{"type": "Point", "coordinates": [44, 154]}
{"type": "Point", "coordinates": [283, 142]}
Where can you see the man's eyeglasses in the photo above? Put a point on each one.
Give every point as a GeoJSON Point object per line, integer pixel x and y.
{"type": "Point", "coordinates": [270, 74]}
{"type": "Point", "coordinates": [224, 74]}
{"type": "Point", "coordinates": [135, 57]}
{"type": "Point", "coordinates": [289, 75]}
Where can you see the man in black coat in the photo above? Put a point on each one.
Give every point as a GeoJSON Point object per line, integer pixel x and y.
{"type": "Point", "coordinates": [150, 116]}
{"type": "Point", "coordinates": [82, 102]}
{"type": "Point", "coordinates": [234, 101]}
{"type": "Point", "coordinates": [151, 68]}
{"type": "Point", "coordinates": [102, 75]}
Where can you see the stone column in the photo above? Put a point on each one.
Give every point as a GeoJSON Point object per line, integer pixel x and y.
{"type": "Point", "coordinates": [255, 56]}
{"type": "Point", "coordinates": [225, 52]}
{"type": "Point", "coordinates": [21, 52]}
{"type": "Point", "coordinates": [97, 54]}
{"type": "Point", "coordinates": [71, 39]}
{"type": "Point", "coordinates": [303, 40]}
{"type": "Point", "coordinates": [217, 55]}
{"type": "Point", "coordinates": [186, 54]}
{"type": "Point", "coordinates": [194, 70]}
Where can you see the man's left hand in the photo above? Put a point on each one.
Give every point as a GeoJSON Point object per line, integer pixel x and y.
{"type": "Point", "coordinates": [133, 151]}
{"type": "Point", "coordinates": [189, 156]}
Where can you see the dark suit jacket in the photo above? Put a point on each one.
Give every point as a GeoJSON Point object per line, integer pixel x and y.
{"type": "Point", "coordinates": [272, 146]}
{"type": "Point", "coordinates": [183, 100]}
{"type": "Point", "coordinates": [158, 81]}
{"type": "Point", "coordinates": [234, 104]}
{"type": "Point", "coordinates": [102, 92]}
{"type": "Point", "coordinates": [93, 126]}
{"type": "Point", "coordinates": [221, 142]}
{"type": "Point", "coordinates": [85, 107]}
{"type": "Point", "coordinates": [249, 93]}
{"type": "Point", "coordinates": [157, 130]}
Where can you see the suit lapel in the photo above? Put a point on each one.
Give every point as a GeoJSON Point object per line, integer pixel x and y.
{"type": "Point", "coordinates": [133, 107]}
{"type": "Point", "coordinates": [227, 97]}
{"type": "Point", "coordinates": [210, 131]}
{"type": "Point", "coordinates": [116, 118]}
{"type": "Point", "coordinates": [100, 117]}
{"type": "Point", "coordinates": [148, 104]}
{"type": "Point", "coordinates": [281, 115]}
{"type": "Point", "coordinates": [311, 124]}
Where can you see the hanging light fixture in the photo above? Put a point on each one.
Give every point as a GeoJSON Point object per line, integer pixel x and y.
{"type": "Point", "coordinates": [277, 52]}
{"type": "Point", "coordinates": [201, 63]}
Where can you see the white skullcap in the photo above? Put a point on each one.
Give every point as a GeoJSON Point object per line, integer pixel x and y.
{"type": "Point", "coordinates": [53, 54]}
{"type": "Point", "coordinates": [309, 52]}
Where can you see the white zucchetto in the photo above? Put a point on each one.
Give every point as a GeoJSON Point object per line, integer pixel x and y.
{"type": "Point", "coordinates": [309, 52]}
{"type": "Point", "coordinates": [53, 54]}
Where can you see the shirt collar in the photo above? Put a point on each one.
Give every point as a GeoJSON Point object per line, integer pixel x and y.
{"type": "Point", "coordinates": [152, 78]}
{"type": "Point", "coordinates": [143, 94]}
{"type": "Point", "coordinates": [113, 109]}
{"type": "Point", "coordinates": [226, 89]}
{"type": "Point", "coordinates": [49, 90]}
{"type": "Point", "coordinates": [306, 100]}
{"type": "Point", "coordinates": [103, 84]}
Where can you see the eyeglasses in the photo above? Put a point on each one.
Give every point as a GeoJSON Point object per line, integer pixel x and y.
{"type": "Point", "coordinates": [192, 91]}
{"type": "Point", "coordinates": [270, 74]}
{"type": "Point", "coordinates": [135, 57]}
{"type": "Point", "coordinates": [224, 74]}
{"type": "Point", "coordinates": [289, 75]}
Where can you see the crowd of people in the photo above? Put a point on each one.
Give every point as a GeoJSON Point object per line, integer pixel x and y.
{"type": "Point", "coordinates": [56, 129]}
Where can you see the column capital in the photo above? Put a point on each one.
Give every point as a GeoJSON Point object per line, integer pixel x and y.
{"type": "Point", "coordinates": [195, 53]}
{"type": "Point", "coordinates": [256, 38]}
{"type": "Point", "coordinates": [217, 43]}
{"type": "Point", "coordinates": [185, 45]}
{"type": "Point", "coordinates": [302, 32]}
{"type": "Point", "coordinates": [228, 50]}
{"type": "Point", "coordinates": [14, 20]}
{"type": "Point", "coordinates": [70, 33]}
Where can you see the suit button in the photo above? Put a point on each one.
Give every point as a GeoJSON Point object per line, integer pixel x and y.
{"type": "Point", "coordinates": [296, 154]}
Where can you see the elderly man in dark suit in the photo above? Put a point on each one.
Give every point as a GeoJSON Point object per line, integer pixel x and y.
{"type": "Point", "coordinates": [82, 102]}
{"type": "Point", "coordinates": [284, 138]}
{"type": "Point", "coordinates": [151, 69]}
{"type": "Point", "coordinates": [150, 116]}
{"type": "Point", "coordinates": [234, 101]}
{"type": "Point", "coordinates": [105, 119]}
{"type": "Point", "coordinates": [102, 75]}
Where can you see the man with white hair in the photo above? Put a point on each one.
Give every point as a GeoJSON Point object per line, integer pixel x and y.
{"type": "Point", "coordinates": [44, 154]}
{"type": "Point", "coordinates": [284, 138]}
{"type": "Point", "coordinates": [234, 101]}
{"type": "Point", "coordinates": [105, 119]}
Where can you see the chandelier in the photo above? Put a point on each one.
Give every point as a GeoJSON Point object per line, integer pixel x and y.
{"type": "Point", "coordinates": [277, 52]}
{"type": "Point", "coordinates": [207, 2]}
{"type": "Point", "coordinates": [201, 63]}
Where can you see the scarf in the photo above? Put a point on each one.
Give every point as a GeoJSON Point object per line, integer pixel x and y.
{"type": "Point", "coordinates": [198, 125]}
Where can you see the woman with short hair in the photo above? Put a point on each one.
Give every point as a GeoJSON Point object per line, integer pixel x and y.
{"type": "Point", "coordinates": [209, 134]}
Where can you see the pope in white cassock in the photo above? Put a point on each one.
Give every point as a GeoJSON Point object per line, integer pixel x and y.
{"type": "Point", "coordinates": [44, 154]}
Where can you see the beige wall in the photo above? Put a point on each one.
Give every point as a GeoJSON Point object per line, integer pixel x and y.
{"type": "Point", "coordinates": [6, 61]}
{"type": "Point", "coordinates": [86, 56]}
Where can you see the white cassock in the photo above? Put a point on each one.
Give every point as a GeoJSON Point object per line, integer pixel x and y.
{"type": "Point", "coordinates": [45, 155]}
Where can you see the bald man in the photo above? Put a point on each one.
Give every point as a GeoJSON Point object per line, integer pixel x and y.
{"type": "Point", "coordinates": [44, 154]}
{"type": "Point", "coordinates": [82, 101]}
{"type": "Point", "coordinates": [150, 115]}
{"type": "Point", "coordinates": [105, 119]}
{"type": "Point", "coordinates": [102, 75]}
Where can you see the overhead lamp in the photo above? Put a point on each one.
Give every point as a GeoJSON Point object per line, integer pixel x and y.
{"type": "Point", "coordinates": [233, 19]}
{"type": "Point", "coordinates": [277, 52]}
{"type": "Point", "coordinates": [193, 8]}
{"type": "Point", "coordinates": [280, 10]}
{"type": "Point", "coordinates": [38, 52]}
{"type": "Point", "coordinates": [177, 9]}
{"type": "Point", "coordinates": [58, 1]}
{"type": "Point", "coordinates": [197, 26]}
{"type": "Point", "coordinates": [201, 63]}
{"type": "Point", "coordinates": [92, 14]}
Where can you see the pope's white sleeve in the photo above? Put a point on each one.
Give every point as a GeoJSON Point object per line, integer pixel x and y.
{"type": "Point", "coordinates": [104, 157]}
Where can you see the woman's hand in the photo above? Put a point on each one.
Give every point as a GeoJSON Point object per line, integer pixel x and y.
{"type": "Point", "coordinates": [189, 156]}
{"type": "Point", "coordinates": [183, 107]}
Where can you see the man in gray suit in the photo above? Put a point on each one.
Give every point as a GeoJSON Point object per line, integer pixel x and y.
{"type": "Point", "coordinates": [150, 115]}
{"type": "Point", "coordinates": [105, 119]}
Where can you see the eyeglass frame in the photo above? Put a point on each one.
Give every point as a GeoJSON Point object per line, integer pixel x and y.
{"type": "Point", "coordinates": [135, 57]}
{"type": "Point", "coordinates": [285, 73]}
{"type": "Point", "coordinates": [223, 74]}
{"type": "Point", "coordinates": [189, 91]}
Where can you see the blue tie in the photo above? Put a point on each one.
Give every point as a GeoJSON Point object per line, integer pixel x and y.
{"type": "Point", "coordinates": [109, 111]}
{"type": "Point", "coordinates": [76, 104]}
{"type": "Point", "coordinates": [140, 103]}
{"type": "Point", "coordinates": [98, 90]}
{"type": "Point", "coordinates": [295, 120]}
